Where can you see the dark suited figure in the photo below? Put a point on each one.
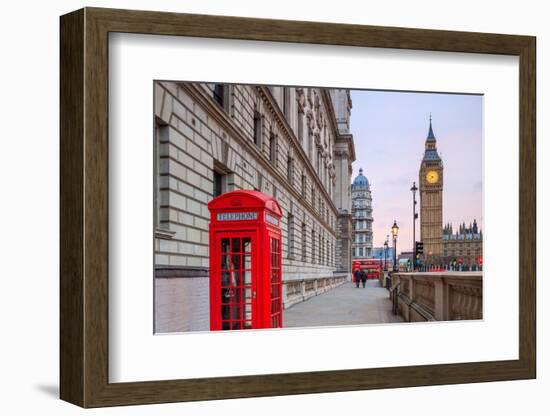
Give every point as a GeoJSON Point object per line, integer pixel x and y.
{"type": "Point", "coordinates": [364, 277]}
{"type": "Point", "coordinates": [357, 276]}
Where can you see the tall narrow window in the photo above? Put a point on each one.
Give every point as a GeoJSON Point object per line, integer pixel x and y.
{"type": "Point", "coordinates": [319, 161]}
{"type": "Point", "coordinates": [291, 239]}
{"type": "Point", "coordinates": [272, 148]}
{"type": "Point", "coordinates": [289, 170]}
{"type": "Point", "coordinates": [258, 129]}
{"type": "Point", "coordinates": [304, 184]}
{"type": "Point", "coordinates": [320, 249]}
{"type": "Point", "coordinates": [259, 182]}
{"type": "Point", "coordinates": [220, 183]}
{"type": "Point", "coordinates": [219, 94]}
{"type": "Point", "coordinates": [304, 235]}
{"type": "Point", "coordinates": [313, 245]}
{"type": "Point", "coordinates": [324, 251]}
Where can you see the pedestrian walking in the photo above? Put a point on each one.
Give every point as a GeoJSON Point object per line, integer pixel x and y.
{"type": "Point", "coordinates": [364, 276]}
{"type": "Point", "coordinates": [357, 276]}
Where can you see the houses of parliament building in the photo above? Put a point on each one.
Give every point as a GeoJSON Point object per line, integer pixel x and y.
{"type": "Point", "coordinates": [442, 247]}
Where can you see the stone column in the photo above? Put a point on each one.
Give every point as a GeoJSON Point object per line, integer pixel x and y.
{"type": "Point", "coordinates": [441, 300]}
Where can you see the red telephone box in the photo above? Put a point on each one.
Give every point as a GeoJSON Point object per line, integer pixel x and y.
{"type": "Point", "coordinates": [245, 261]}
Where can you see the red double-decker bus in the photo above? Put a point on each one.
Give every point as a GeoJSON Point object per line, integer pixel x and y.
{"type": "Point", "coordinates": [373, 267]}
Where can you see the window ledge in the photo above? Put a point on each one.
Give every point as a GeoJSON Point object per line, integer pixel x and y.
{"type": "Point", "coordinates": [164, 233]}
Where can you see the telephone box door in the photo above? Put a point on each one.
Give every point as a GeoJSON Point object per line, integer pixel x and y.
{"type": "Point", "coordinates": [234, 285]}
{"type": "Point", "coordinates": [275, 281]}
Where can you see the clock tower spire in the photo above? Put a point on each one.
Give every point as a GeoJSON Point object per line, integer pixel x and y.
{"type": "Point", "coordinates": [431, 200]}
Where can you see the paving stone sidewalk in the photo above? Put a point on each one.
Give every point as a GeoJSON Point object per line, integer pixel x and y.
{"type": "Point", "coordinates": [345, 305]}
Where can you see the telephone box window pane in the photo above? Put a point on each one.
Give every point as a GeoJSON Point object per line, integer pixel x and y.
{"type": "Point", "coordinates": [227, 295]}
{"type": "Point", "coordinates": [225, 262]}
{"type": "Point", "coordinates": [247, 245]}
{"type": "Point", "coordinates": [248, 277]}
{"type": "Point", "coordinates": [236, 245]}
{"type": "Point", "coordinates": [225, 280]}
{"type": "Point", "coordinates": [236, 312]}
{"type": "Point", "coordinates": [225, 311]}
{"type": "Point", "coordinates": [275, 290]}
{"type": "Point", "coordinates": [225, 245]}
{"type": "Point", "coordinates": [237, 278]}
{"type": "Point", "coordinates": [248, 315]}
{"type": "Point", "coordinates": [247, 262]}
{"type": "Point", "coordinates": [236, 262]}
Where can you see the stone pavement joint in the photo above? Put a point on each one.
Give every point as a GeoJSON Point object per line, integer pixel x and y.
{"type": "Point", "coordinates": [344, 305]}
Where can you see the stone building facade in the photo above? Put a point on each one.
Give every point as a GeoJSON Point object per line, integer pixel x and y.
{"type": "Point", "coordinates": [463, 246]}
{"type": "Point", "coordinates": [361, 212]}
{"type": "Point", "coordinates": [291, 143]}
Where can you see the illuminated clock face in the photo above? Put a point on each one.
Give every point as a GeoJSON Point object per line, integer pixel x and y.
{"type": "Point", "coordinates": [432, 176]}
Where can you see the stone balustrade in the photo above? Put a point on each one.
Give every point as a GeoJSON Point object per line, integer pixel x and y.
{"type": "Point", "coordinates": [445, 296]}
{"type": "Point", "coordinates": [299, 290]}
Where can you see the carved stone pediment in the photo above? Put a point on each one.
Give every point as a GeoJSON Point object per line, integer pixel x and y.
{"type": "Point", "coordinates": [319, 118]}
{"type": "Point", "coordinates": [301, 98]}
{"type": "Point", "coordinates": [317, 136]}
{"type": "Point", "coordinates": [309, 115]}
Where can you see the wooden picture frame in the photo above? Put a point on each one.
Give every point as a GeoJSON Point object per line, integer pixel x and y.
{"type": "Point", "coordinates": [84, 207]}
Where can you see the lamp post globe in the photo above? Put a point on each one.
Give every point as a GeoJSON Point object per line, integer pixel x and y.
{"type": "Point", "coordinates": [394, 229]}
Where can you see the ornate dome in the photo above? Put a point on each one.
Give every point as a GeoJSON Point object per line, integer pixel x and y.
{"type": "Point", "coordinates": [361, 180]}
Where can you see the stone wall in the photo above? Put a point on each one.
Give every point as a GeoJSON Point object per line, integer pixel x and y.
{"type": "Point", "coordinates": [177, 298]}
{"type": "Point", "coordinates": [296, 291]}
{"type": "Point", "coordinates": [444, 296]}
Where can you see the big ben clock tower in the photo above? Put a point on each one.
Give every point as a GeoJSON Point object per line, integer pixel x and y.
{"type": "Point", "coordinates": [431, 199]}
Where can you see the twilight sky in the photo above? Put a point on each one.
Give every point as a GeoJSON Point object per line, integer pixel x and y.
{"type": "Point", "coordinates": [389, 130]}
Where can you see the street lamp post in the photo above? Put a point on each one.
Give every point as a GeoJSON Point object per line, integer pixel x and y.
{"type": "Point", "coordinates": [385, 255]}
{"type": "Point", "coordinates": [394, 231]}
{"type": "Point", "coordinates": [415, 216]}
